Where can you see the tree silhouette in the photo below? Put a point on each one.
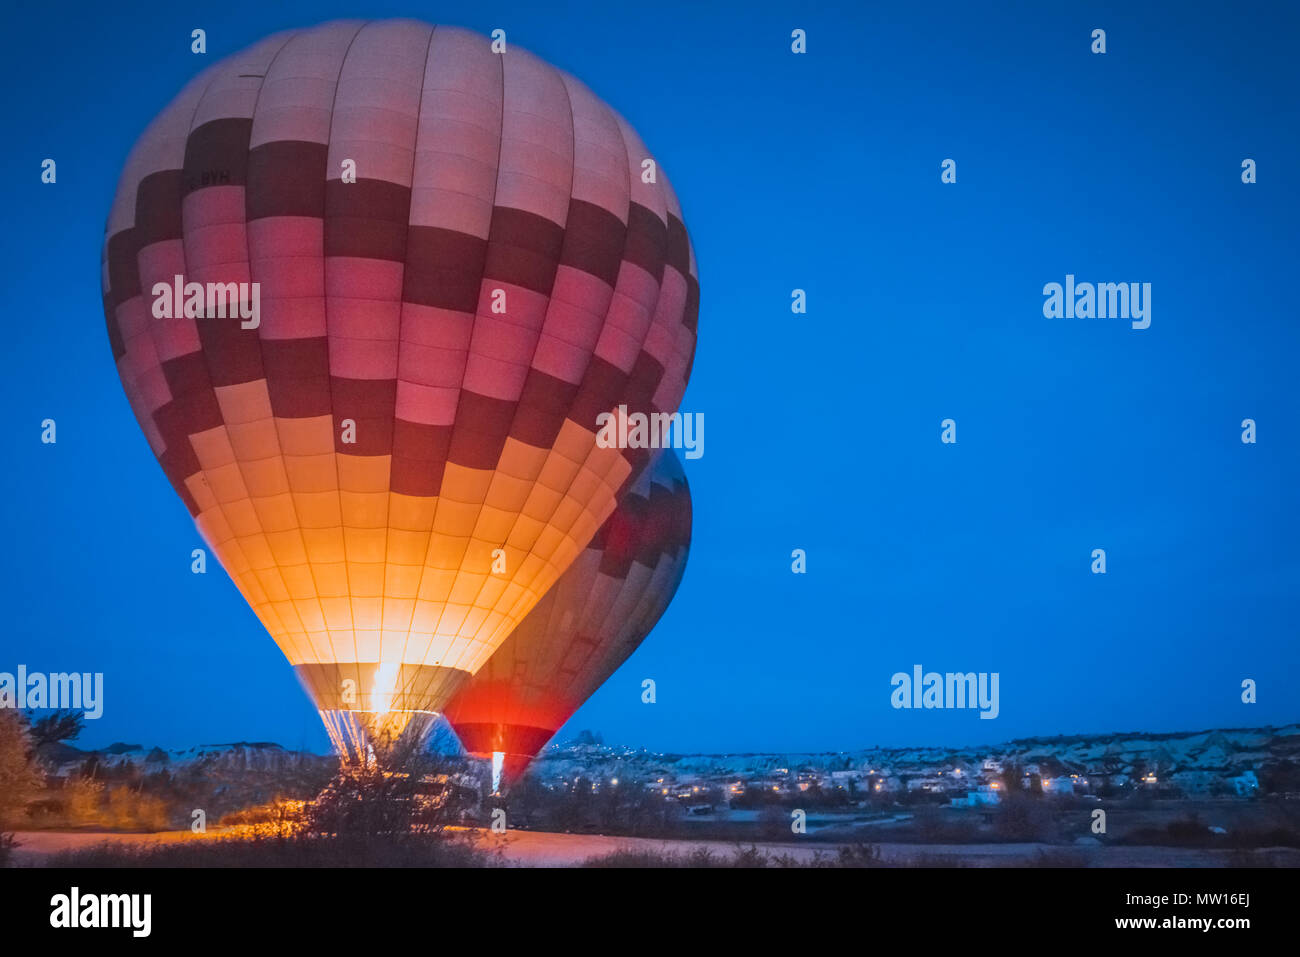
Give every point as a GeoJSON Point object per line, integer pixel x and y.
{"type": "Point", "coordinates": [56, 727]}
{"type": "Point", "coordinates": [20, 776]}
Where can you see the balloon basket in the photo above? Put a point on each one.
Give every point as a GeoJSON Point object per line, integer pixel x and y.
{"type": "Point", "coordinates": [387, 739]}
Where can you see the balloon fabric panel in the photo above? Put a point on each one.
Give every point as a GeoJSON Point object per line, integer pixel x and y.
{"type": "Point", "coordinates": [585, 626]}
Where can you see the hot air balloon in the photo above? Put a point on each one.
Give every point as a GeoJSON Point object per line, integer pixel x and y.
{"type": "Point", "coordinates": [454, 261]}
{"type": "Point", "coordinates": [583, 629]}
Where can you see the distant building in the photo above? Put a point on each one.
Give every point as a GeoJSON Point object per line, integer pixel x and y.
{"type": "Point", "coordinates": [1193, 781]}
{"type": "Point", "coordinates": [1059, 785]}
{"type": "Point", "coordinates": [1245, 784]}
{"type": "Point", "coordinates": [931, 783]}
{"type": "Point", "coordinates": [883, 784]}
{"type": "Point", "coordinates": [984, 796]}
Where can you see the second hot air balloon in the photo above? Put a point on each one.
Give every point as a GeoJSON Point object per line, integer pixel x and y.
{"type": "Point", "coordinates": [583, 629]}
{"type": "Point", "coordinates": [459, 262]}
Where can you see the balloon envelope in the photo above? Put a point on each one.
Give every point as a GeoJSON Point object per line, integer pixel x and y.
{"type": "Point", "coordinates": [585, 627]}
{"type": "Point", "coordinates": [448, 263]}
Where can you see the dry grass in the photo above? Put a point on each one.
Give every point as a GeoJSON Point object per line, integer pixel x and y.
{"type": "Point", "coordinates": [862, 855]}
{"type": "Point", "coordinates": [299, 850]}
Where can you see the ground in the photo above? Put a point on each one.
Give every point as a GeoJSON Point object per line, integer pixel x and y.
{"type": "Point", "coordinates": [540, 849]}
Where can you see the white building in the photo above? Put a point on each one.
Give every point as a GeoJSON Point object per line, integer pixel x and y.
{"type": "Point", "coordinates": [1058, 785]}
{"type": "Point", "coordinates": [984, 796]}
{"type": "Point", "coordinates": [1245, 784]}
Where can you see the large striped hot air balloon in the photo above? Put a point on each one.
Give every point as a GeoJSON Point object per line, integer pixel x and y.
{"type": "Point", "coordinates": [584, 628]}
{"type": "Point", "coordinates": [448, 262]}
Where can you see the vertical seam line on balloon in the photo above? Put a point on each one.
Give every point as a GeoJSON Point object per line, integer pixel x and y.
{"type": "Point", "coordinates": [573, 159]}
{"type": "Point", "coordinates": [185, 266]}
{"type": "Point", "coordinates": [397, 386]}
{"type": "Point", "coordinates": [135, 407]}
{"type": "Point", "coordinates": [647, 588]}
{"type": "Point", "coordinates": [242, 473]}
{"type": "Point", "coordinates": [496, 182]}
{"type": "Point", "coordinates": [573, 166]}
{"type": "Point", "coordinates": [329, 377]}
{"type": "Point", "coordinates": [614, 290]}
{"type": "Point", "coordinates": [248, 244]}
{"type": "Point", "coordinates": [627, 153]}
{"type": "Point", "coordinates": [311, 565]}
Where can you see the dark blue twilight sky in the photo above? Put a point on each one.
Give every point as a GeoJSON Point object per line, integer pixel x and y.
{"type": "Point", "coordinates": [925, 301]}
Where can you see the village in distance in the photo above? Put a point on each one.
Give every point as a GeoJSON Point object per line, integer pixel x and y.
{"type": "Point", "coordinates": [1220, 797]}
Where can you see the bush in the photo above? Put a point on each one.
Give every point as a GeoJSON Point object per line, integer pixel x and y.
{"type": "Point", "coordinates": [21, 777]}
{"type": "Point", "coordinates": [938, 826]}
{"type": "Point", "coordinates": [861, 855]}
{"type": "Point", "coordinates": [132, 810]}
{"type": "Point", "coordinates": [302, 850]}
{"type": "Point", "coordinates": [774, 822]}
{"type": "Point", "coordinates": [1021, 818]}
{"type": "Point", "coordinates": [81, 802]}
{"type": "Point", "coordinates": [630, 807]}
{"type": "Point", "coordinates": [278, 812]}
{"type": "Point", "coordinates": [369, 799]}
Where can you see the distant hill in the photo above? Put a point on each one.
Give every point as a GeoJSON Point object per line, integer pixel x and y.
{"type": "Point", "coordinates": [1222, 751]}
{"type": "Point", "coordinates": [237, 755]}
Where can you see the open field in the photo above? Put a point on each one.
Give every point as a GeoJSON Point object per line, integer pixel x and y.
{"type": "Point", "coordinates": [541, 849]}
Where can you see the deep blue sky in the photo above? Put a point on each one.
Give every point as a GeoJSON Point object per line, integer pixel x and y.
{"type": "Point", "coordinates": [821, 172]}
